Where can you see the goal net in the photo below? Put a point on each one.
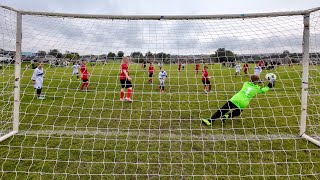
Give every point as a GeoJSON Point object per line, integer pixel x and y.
{"type": "Point", "coordinates": [74, 133]}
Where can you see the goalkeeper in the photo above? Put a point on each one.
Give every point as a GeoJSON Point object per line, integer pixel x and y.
{"type": "Point", "coordinates": [240, 100]}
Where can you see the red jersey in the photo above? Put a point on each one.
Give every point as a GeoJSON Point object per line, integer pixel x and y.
{"type": "Point", "coordinates": [245, 66]}
{"type": "Point", "coordinates": [151, 69]}
{"type": "Point", "coordinates": [197, 66]}
{"type": "Point", "coordinates": [179, 66]}
{"type": "Point", "coordinates": [84, 71]}
{"type": "Point", "coordinates": [123, 68]}
{"type": "Point", "coordinates": [205, 75]}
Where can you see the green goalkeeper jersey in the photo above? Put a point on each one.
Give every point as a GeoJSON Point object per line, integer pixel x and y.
{"type": "Point", "coordinates": [248, 91]}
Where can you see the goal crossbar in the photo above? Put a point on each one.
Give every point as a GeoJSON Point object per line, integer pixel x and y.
{"type": "Point", "coordinates": [167, 17]}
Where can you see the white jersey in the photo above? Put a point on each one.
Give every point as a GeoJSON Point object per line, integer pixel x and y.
{"type": "Point", "coordinates": [237, 68]}
{"type": "Point", "coordinates": [257, 70]}
{"type": "Point", "coordinates": [162, 75]}
{"type": "Point", "coordinates": [159, 64]}
{"type": "Point", "coordinates": [182, 65]}
{"type": "Point", "coordinates": [37, 76]}
{"type": "Point", "coordinates": [75, 68]}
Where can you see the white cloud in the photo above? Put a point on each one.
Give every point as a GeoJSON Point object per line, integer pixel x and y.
{"type": "Point", "coordinates": [183, 37]}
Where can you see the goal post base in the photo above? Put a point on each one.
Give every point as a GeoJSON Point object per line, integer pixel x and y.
{"type": "Point", "coordinates": [2, 138]}
{"type": "Point", "coordinates": [311, 139]}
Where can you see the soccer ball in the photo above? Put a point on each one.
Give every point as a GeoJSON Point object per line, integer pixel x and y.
{"type": "Point", "coordinates": [271, 77]}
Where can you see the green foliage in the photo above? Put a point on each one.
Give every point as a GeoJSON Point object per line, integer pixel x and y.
{"type": "Point", "coordinates": [55, 53]}
{"type": "Point", "coordinates": [120, 54]}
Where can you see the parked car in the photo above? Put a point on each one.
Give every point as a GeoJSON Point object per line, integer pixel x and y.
{"type": "Point", "coordinates": [29, 58]}
{"type": "Point", "coordinates": [5, 58]}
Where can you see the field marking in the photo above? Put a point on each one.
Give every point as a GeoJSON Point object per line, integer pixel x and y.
{"type": "Point", "coordinates": [162, 135]}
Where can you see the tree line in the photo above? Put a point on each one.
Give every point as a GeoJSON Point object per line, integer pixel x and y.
{"type": "Point", "coordinates": [219, 56]}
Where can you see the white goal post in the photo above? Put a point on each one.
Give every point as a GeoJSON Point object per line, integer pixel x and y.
{"type": "Point", "coordinates": [92, 127]}
{"type": "Point", "coordinates": [305, 47]}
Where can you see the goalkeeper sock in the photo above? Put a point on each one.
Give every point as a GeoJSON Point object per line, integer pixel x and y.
{"type": "Point", "coordinates": [205, 87]}
{"type": "Point", "coordinates": [209, 87]}
{"type": "Point", "coordinates": [129, 93]}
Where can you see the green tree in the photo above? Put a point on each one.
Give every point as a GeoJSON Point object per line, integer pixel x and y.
{"type": "Point", "coordinates": [41, 53]}
{"type": "Point", "coordinates": [224, 55]}
{"type": "Point", "coordinates": [111, 55]}
{"type": "Point", "coordinates": [72, 55]}
{"type": "Point", "coordinates": [56, 53]}
{"type": "Point", "coordinates": [137, 57]}
{"type": "Point", "coordinates": [120, 54]}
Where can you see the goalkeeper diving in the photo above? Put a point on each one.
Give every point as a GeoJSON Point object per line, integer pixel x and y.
{"type": "Point", "coordinates": [240, 100]}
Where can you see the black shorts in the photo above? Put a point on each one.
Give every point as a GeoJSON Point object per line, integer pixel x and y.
{"type": "Point", "coordinates": [205, 82]}
{"type": "Point", "coordinates": [150, 74]}
{"type": "Point", "coordinates": [85, 80]}
{"type": "Point", "coordinates": [125, 83]}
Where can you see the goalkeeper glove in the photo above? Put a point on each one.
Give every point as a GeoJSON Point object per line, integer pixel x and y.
{"type": "Point", "coordinates": [271, 84]}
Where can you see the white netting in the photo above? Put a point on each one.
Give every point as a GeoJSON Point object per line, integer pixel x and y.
{"type": "Point", "coordinates": [7, 47]}
{"type": "Point", "coordinates": [78, 134]}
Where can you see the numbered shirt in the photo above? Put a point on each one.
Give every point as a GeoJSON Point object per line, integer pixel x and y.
{"type": "Point", "coordinates": [162, 75]}
{"type": "Point", "coordinates": [245, 95]}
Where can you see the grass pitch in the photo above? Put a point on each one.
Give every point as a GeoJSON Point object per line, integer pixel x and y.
{"type": "Point", "coordinates": [91, 135]}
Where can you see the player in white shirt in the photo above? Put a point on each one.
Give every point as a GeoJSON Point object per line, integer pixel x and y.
{"type": "Point", "coordinates": [162, 76]}
{"type": "Point", "coordinates": [237, 69]}
{"type": "Point", "coordinates": [182, 66]}
{"type": "Point", "coordinates": [37, 80]}
{"type": "Point", "coordinates": [75, 68]}
{"type": "Point", "coordinates": [257, 70]}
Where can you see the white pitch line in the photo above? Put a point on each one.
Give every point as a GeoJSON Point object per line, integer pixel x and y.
{"type": "Point", "coordinates": [161, 135]}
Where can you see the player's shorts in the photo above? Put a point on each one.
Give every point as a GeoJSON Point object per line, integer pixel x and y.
{"type": "Point", "coordinates": [125, 83]}
{"type": "Point", "coordinates": [150, 74]}
{"type": "Point", "coordinates": [205, 82]}
{"type": "Point", "coordinates": [85, 80]}
{"type": "Point", "coordinates": [161, 81]}
{"type": "Point", "coordinates": [245, 71]}
{"type": "Point", "coordinates": [75, 73]}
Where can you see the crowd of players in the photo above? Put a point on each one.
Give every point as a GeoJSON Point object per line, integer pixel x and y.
{"type": "Point", "coordinates": [126, 81]}
{"type": "Point", "coordinates": [231, 109]}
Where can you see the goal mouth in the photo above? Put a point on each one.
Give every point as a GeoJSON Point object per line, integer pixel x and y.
{"type": "Point", "coordinates": [68, 117]}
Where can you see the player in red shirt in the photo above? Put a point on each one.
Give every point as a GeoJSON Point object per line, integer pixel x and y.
{"type": "Point", "coordinates": [205, 79]}
{"type": "Point", "coordinates": [84, 75]}
{"type": "Point", "coordinates": [125, 80]}
{"type": "Point", "coordinates": [197, 68]}
{"type": "Point", "coordinates": [245, 68]}
{"type": "Point", "coordinates": [151, 71]}
{"type": "Point", "coordinates": [179, 67]}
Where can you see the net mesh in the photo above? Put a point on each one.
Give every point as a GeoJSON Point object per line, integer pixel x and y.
{"type": "Point", "coordinates": [75, 133]}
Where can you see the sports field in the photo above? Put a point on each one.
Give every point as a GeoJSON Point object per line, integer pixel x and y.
{"type": "Point", "coordinates": [74, 134]}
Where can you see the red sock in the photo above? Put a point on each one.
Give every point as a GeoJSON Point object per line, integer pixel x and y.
{"type": "Point", "coordinates": [87, 84]}
{"type": "Point", "coordinates": [82, 86]}
{"type": "Point", "coordinates": [121, 94]}
{"type": "Point", "coordinates": [129, 93]}
{"type": "Point", "coordinates": [205, 87]}
{"type": "Point", "coordinates": [209, 87]}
